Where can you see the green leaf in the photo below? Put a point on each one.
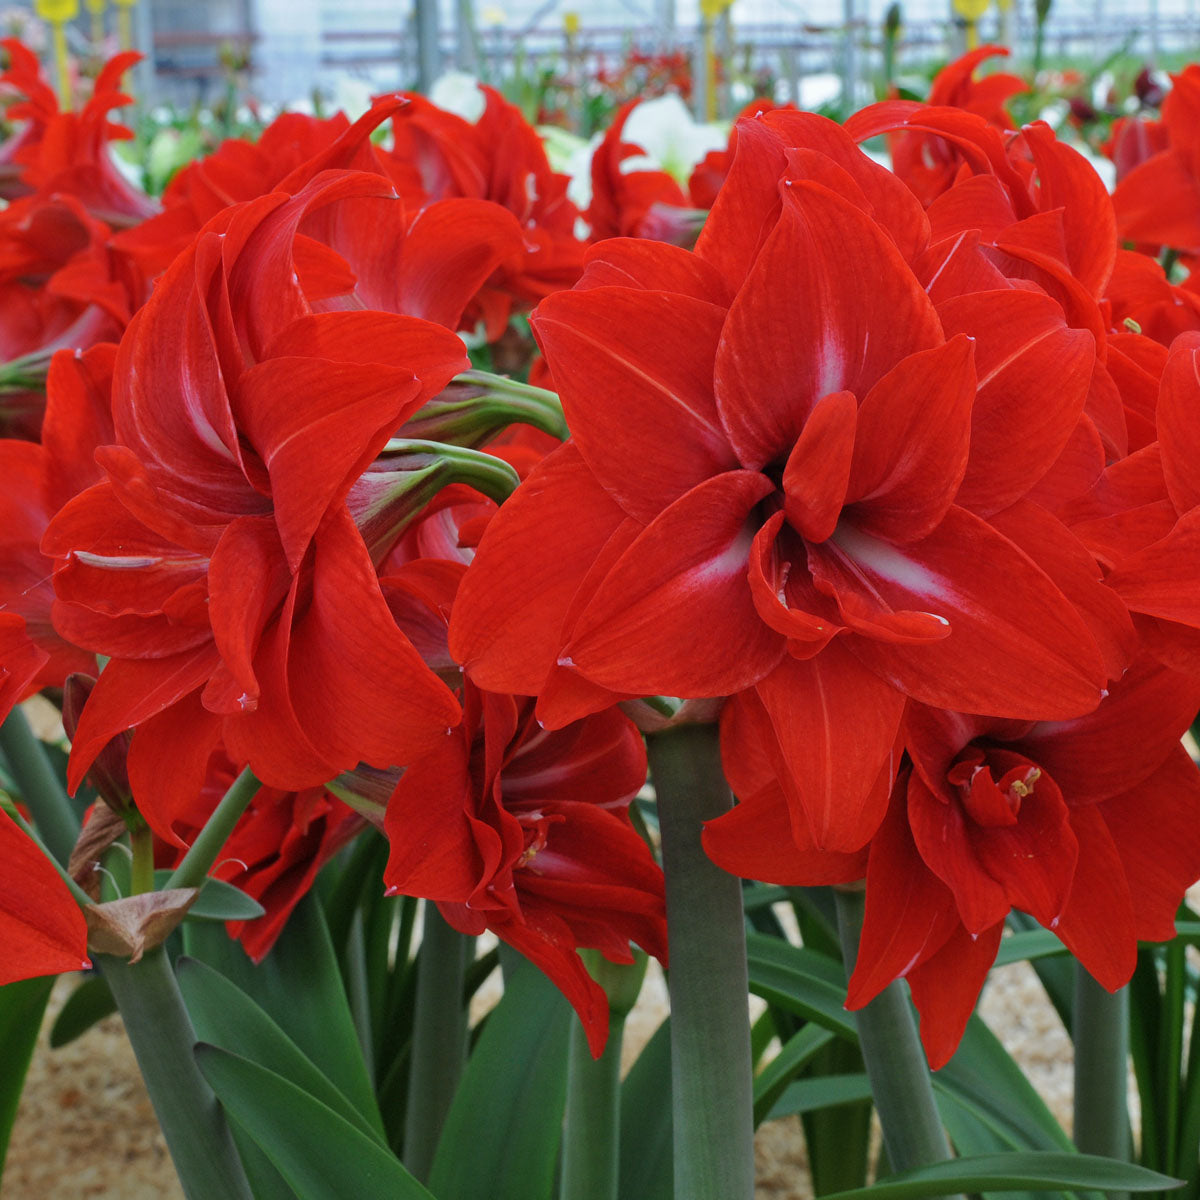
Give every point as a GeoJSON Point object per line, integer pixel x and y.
{"type": "Point", "coordinates": [798, 1051]}
{"type": "Point", "coordinates": [218, 901]}
{"type": "Point", "coordinates": [983, 1080]}
{"type": "Point", "coordinates": [90, 1002]}
{"type": "Point", "coordinates": [225, 1016]}
{"type": "Point", "coordinates": [1009, 1173]}
{"type": "Point", "coordinates": [320, 1154]}
{"type": "Point", "coordinates": [800, 981]}
{"type": "Point", "coordinates": [825, 1091]}
{"type": "Point", "coordinates": [501, 1136]}
{"type": "Point", "coordinates": [647, 1167]}
{"type": "Point", "coordinates": [299, 985]}
{"type": "Point", "coordinates": [22, 1005]}
{"type": "Point", "coordinates": [1028, 945]}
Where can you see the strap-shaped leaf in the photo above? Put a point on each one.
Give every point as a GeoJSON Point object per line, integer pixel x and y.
{"type": "Point", "coordinates": [795, 1055]}
{"type": "Point", "coordinates": [225, 1016]}
{"type": "Point", "coordinates": [21, 1007]}
{"type": "Point", "coordinates": [500, 1140]}
{"type": "Point", "coordinates": [320, 1154]}
{"type": "Point", "coordinates": [299, 985]}
{"type": "Point", "coordinates": [800, 981]}
{"type": "Point", "coordinates": [90, 1002]}
{"type": "Point", "coordinates": [1011, 1173]}
{"type": "Point", "coordinates": [647, 1168]}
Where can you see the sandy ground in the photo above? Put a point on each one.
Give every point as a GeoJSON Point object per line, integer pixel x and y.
{"type": "Point", "coordinates": [86, 1128]}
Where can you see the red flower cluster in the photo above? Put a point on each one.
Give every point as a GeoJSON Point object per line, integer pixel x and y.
{"type": "Point", "coordinates": [898, 467]}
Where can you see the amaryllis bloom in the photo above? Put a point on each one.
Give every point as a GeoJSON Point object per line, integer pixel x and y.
{"type": "Point", "coordinates": [67, 152]}
{"type": "Point", "coordinates": [640, 200]}
{"type": "Point", "coordinates": [1142, 519]}
{"type": "Point", "coordinates": [218, 566]}
{"type": "Point", "coordinates": [42, 930]}
{"type": "Point", "coordinates": [1090, 826]}
{"type": "Point", "coordinates": [1156, 201]}
{"type": "Point", "coordinates": [275, 850]}
{"type": "Point", "coordinates": [795, 528]}
{"type": "Point", "coordinates": [927, 163]}
{"type": "Point", "coordinates": [523, 831]}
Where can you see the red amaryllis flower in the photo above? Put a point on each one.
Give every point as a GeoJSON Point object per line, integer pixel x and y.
{"type": "Point", "coordinates": [275, 850]}
{"type": "Point", "coordinates": [291, 151]}
{"type": "Point", "coordinates": [1088, 825]}
{"type": "Point", "coordinates": [67, 152]}
{"type": "Point", "coordinates": [1156, 202]}
{"type": "Point", "coordinates": [42, 930]}
{"type": "Point", "coordinates": [523, 831]}
{"type": "Point", "coordinates": [926, 162]}
{"type": "Point", "coordinates": [218, 566]}
{"type": "Point", "coordinates": [798, 531]}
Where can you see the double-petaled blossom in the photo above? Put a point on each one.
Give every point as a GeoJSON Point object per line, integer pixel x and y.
{"type": "Point", "coordinates": [36, 480]}
{"type": "Point", "coordinates": [498, 158]}
{"type": "Point", "coordinates": [42, 930]}
{"type": "Point", "coordinates": [67, 152]}
{"type": "Point", "coordinates": [1142, 518]}
{"type": "Point", "coordinates": [218, 565]}
{"type": "Point", "coordinates": [1090, 826]}
{"type": "Point", "coordinates": [819, 519]}
{"type": "Point", "coordinates": [1156, 200]}
{"type": "Point", "coordinates": [926, 162]}
{"type": "Point", "coordinates": [521, 830]}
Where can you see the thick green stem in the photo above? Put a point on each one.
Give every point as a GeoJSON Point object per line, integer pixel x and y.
{"type": "Point", "coordinates": [439, 1044]}
{"type": "Point", "coordinates": [162, 1036]}
{"type": "Point", "coordinates": [913, 1134]}
{"type": "Point", "coordinates": [40, 786]}
{"type": "Point", "coordinates": [712, 1093]}
{"type": "Point", "coordinates": [591, 1137]}
{"type": "Point", "coordinates": [1101, 1035]}
{"type": "Point", "coordinates": [199, 859]}
{"type": "Point", "coordinates": [142, 871]}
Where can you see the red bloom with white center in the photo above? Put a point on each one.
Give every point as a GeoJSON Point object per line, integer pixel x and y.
{"type": "Point", "coordinates": [768, 441]}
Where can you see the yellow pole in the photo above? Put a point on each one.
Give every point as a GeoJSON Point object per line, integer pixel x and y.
{"type": "Point", "coordinates": [62, 59]}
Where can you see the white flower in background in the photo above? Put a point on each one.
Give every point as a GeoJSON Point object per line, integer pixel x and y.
{"type": "Point", "coordinates": [351, 96]}
{"type": "Point", "coordinates": [459, 93]}
{"type": "Point", "coordinates": [672, 140]}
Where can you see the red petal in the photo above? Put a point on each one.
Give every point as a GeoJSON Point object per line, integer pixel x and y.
{"type": "Point", "coordinates": [507, 620]}
{"type": "Point", "coordinates": [836, 723]}
{"type": "Point", "coordinates": [634, 369]}
{"type": "Point", "coordinates": [830, 305]}
{"type": "Point", "coordinates": [42, 930]}
{"type": "Point", "coordinates": [1178, 435]}
{"type": "Point", "coordinates": [914, 428]}
{"type": "Point", "coordinates": [675, 615]}
{"type": "Point", "coordinates": [1001, 609]}
{"type": "Point", "coordinates": [316, 425]}
{"type": "Point", "coordinates": [360, 690]}
{"type": "Point", "coordinates": [653, 267]}
{"type": "Point", "coordinates": [1034, 374]}
{"type": "Point", "coordinates": [818, 468]}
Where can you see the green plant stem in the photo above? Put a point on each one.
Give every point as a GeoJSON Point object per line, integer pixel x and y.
{"type": "Point", "coordinates": [1101, 1035]}
{"type": "Point", "coordinates": [591, 1146]}
{"type": "Point", "coordinates": [142, 872]}
{"type": "Point", "coordinates": [199, 859]}
{"type": "Point", "coordinates": [712, 1094]}
{"type": "Point", "coordinates": [912, 1127]}
{"type": "Point", "coordinates": [439, 1044]}
{"type": "Point", "coordinates": [40, 785]}
{"type": "Point", "coordinates": [162, 1036]}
